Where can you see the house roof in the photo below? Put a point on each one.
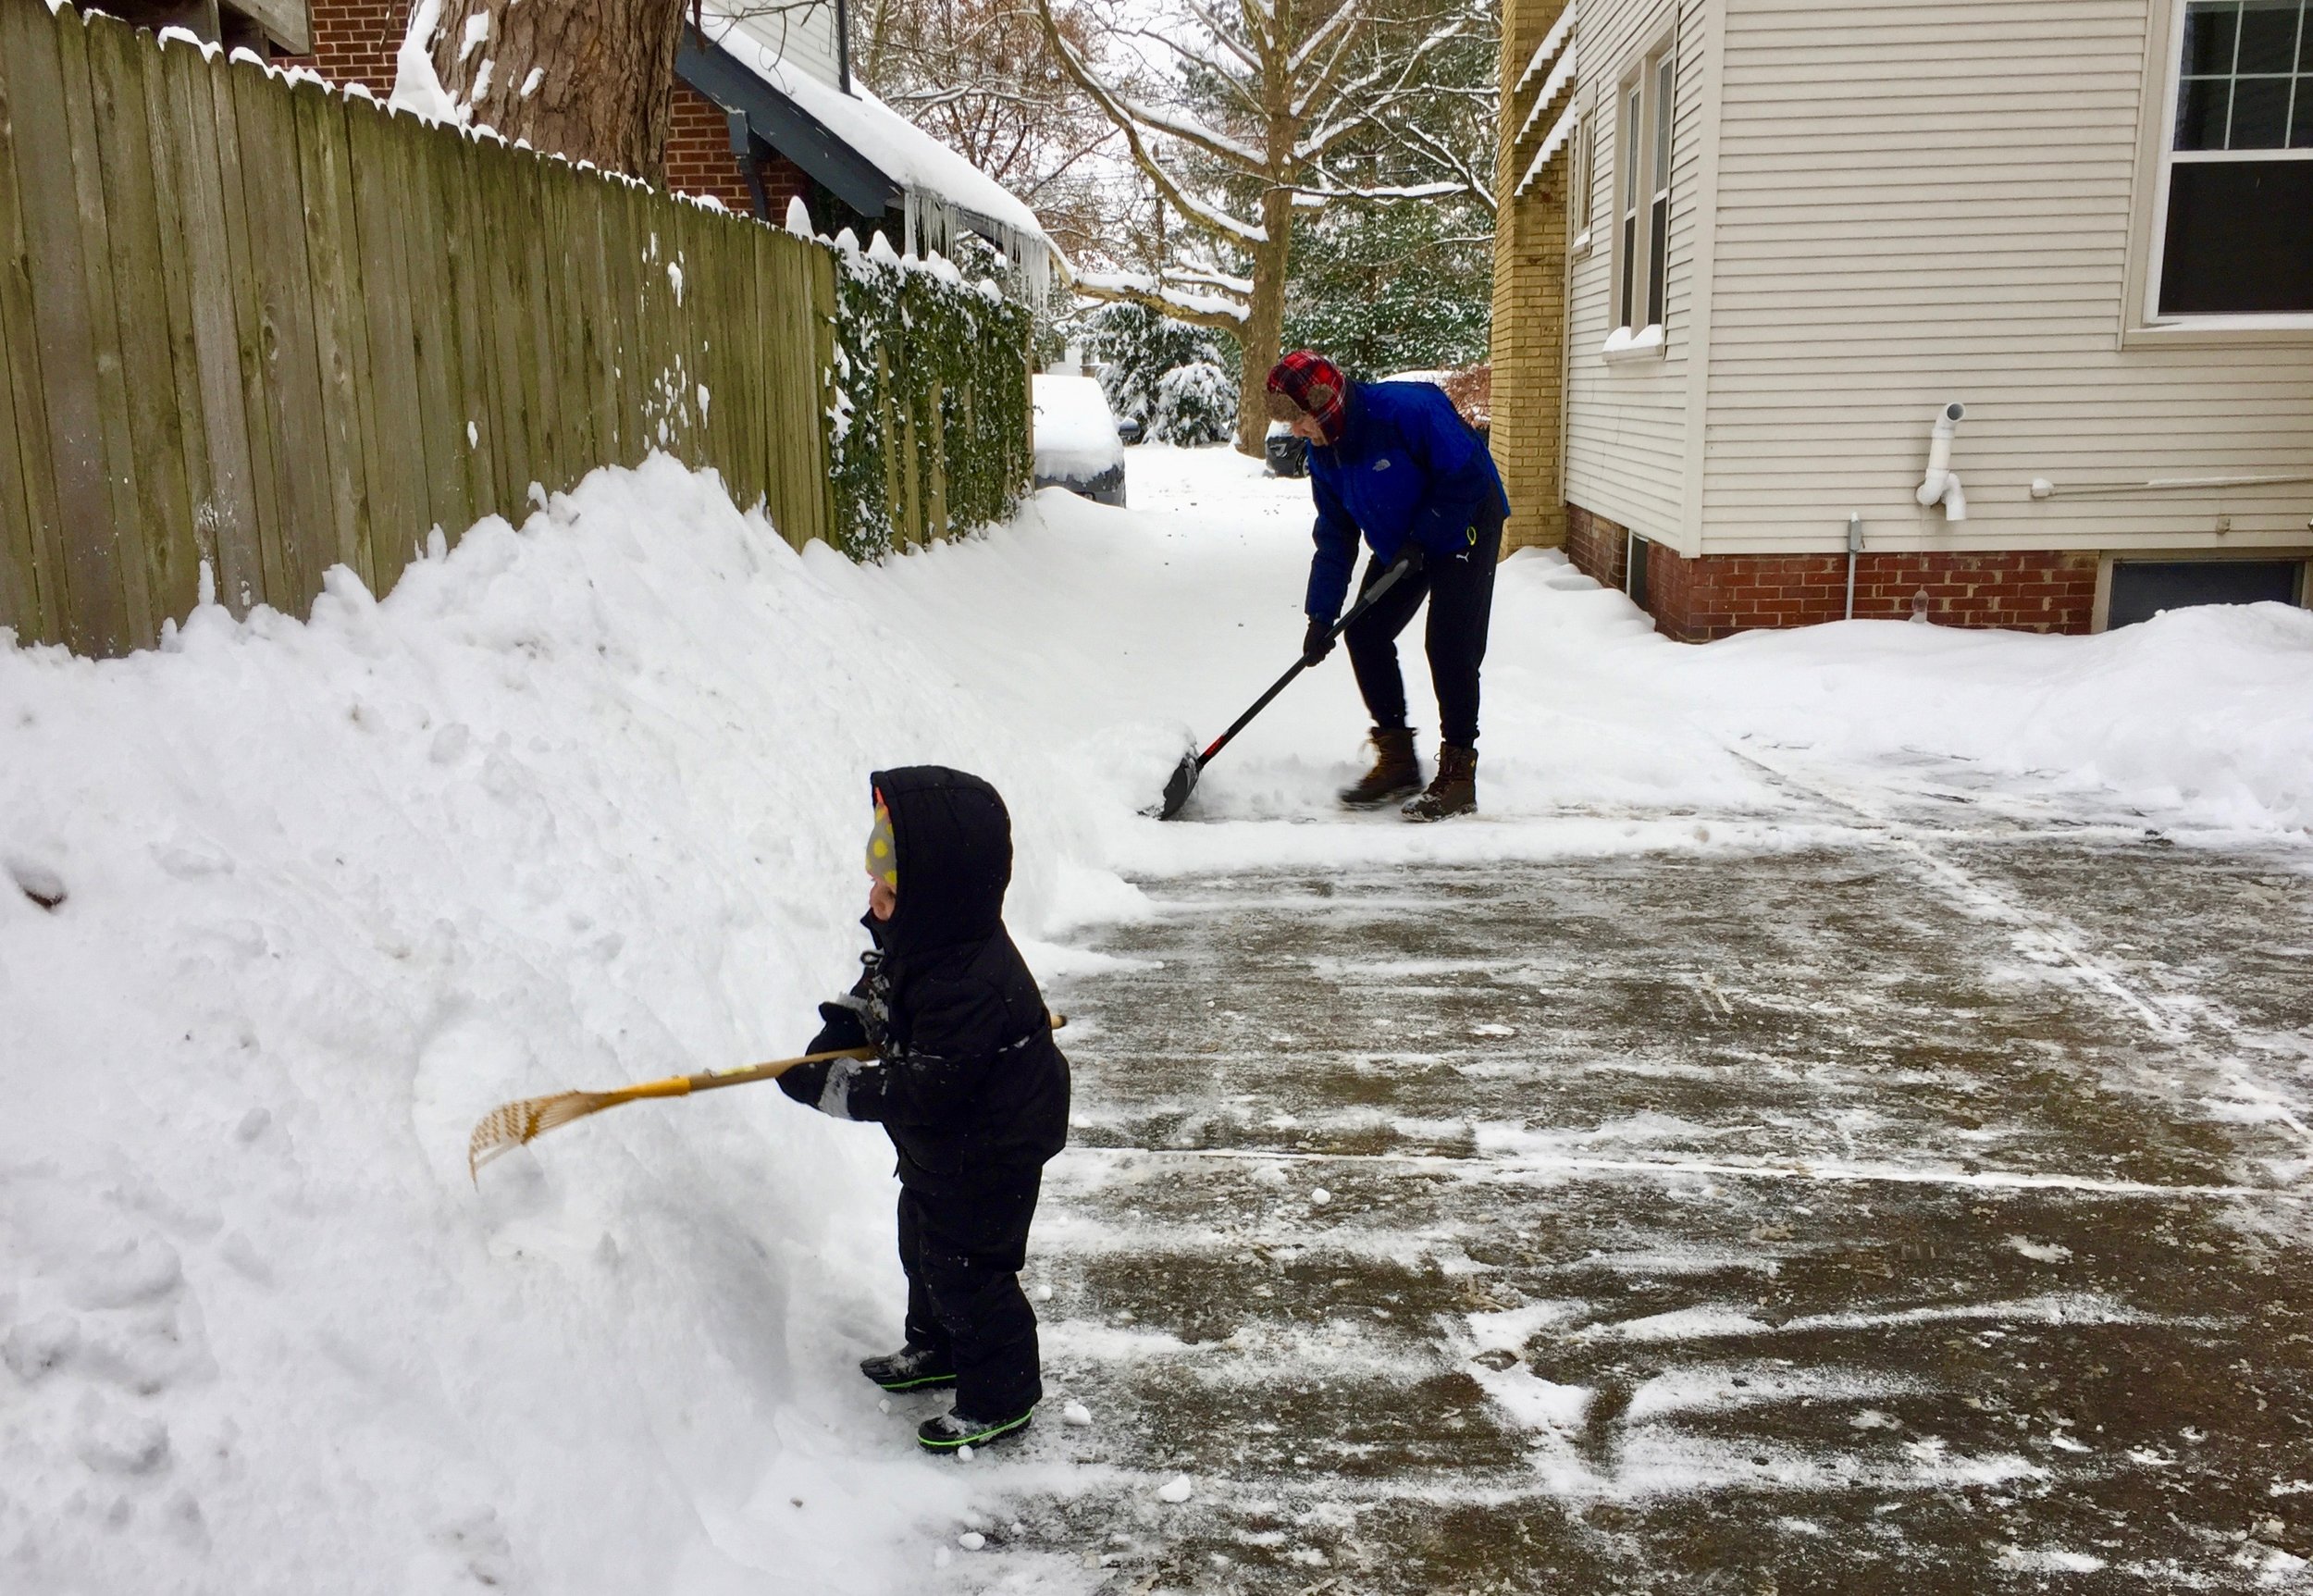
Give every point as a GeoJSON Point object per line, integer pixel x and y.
{"type": "Point", "coordinates": [866, 153]}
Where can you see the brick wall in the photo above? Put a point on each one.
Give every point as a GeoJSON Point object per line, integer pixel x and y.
{"type": "Point", "coordinates": [1713, 596]}
{"type": "Point", "coordinates": [698, 157]}
{"type": "Point", "coordinates": [1529, 301]}
{"type": "Point", "coordinates": [1596, 544]}
{"type": "Point", "coordinates": [356, 42]}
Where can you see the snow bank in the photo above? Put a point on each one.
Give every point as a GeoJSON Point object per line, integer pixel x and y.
{"type": "Point", "coordinates": [576, 805]}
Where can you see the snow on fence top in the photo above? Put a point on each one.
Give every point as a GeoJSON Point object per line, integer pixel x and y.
{"type": "Point", "coordinates": [452, 324]}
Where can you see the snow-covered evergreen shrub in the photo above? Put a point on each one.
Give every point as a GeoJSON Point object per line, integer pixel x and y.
{"type": "Point", "coordinates": [1136, 348]}
{"type": "Point", "coordinates": [1196, 405]}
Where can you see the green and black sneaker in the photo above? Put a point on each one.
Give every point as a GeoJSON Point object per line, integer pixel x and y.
{"type": "Point", "coordinates": [910, 1369]}
{"type": "Point", "coordinates": [952, 1431]}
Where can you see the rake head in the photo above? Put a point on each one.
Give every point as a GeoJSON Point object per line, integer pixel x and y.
{"type": "Point", "coordinates": [510, 1125]}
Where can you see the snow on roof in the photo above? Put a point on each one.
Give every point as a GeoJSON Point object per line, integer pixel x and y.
{"type": "Point", "coordinates": [896, 147]}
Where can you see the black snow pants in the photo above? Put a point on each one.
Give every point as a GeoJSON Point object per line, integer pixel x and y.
{"type": "Point", "coordinates": [1461, 592]}
{"type": "Point", "coordinates": [963, 1254]}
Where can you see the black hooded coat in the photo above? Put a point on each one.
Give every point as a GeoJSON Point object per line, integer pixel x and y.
{"type": "Point", "coordinates": [969, 1084]}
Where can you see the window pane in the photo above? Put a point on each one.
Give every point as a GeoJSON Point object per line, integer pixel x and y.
{"type": "Point", "coordinates": [1630, 129]}
{"type": "Point", "coordinates": [1662, 106]}
{"type": "Point", "coordinates": [2208, 35]}
{"type": "Point", "coordinates": [2202, 107]}
{"type": "Point", "coordinates": [1629, 265]}
{"type": "Point", "coordinates": [2260, 113]}
{"type": "Point", "coordinates": [2301, 134]}
{"type": "Point", "coordinates": [2269, 35]}
{"type": "Point", "coordinates": [2240, 238]}
{"type": "Point", "coordinates": [1658, 257]}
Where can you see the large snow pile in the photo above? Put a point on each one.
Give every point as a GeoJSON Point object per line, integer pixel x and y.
{"type": "Point", "coordinates": [575, 806]}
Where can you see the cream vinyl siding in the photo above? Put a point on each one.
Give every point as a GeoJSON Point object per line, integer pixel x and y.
{"type": "Point", "coordinates": [1627, 420]}
{"type": "Point", "coordinates": [1919, 204]}
{"type": "Point", "coordinates": [804, 36]}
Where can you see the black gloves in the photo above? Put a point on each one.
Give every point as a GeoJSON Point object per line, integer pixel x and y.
{"type": "Point", "coordinates": [849, 1023]}
{"type": "Point", "coordinates": [1318, 641]}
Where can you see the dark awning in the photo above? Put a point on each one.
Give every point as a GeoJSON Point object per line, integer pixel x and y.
{"type": "Point", "coordinates": [785, 127]}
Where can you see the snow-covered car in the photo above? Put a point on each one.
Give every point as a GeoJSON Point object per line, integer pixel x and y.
{"type": "Point", "coordinates": [1288, 455]}
{"type": "Point", "coordinates": [1077, 446]}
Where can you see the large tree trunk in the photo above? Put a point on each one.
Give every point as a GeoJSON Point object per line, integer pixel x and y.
{"type": "Point", "coordinates": [605, 75]}
{"type": "Point", "coordinates": [1265, 323]}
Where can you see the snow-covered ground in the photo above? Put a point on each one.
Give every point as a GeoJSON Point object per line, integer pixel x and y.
{"type": "Point", "coordinates": [581, 804]}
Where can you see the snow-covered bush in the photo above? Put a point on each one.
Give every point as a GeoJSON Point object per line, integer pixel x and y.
{"type": "Point", "coordinates": [1136, 348]}
{"type": "Point", "coordinates": [1196, 405]}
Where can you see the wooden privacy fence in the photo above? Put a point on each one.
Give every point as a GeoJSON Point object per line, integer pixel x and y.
{"type": "Point", "coordinates": [271, 326]}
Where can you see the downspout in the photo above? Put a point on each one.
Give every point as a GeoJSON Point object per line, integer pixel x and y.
{"type": "Point", "coordinates": [1942, 485]}
{"type": "Point", "coordinates": [743, 151]}
{"type": "Point", "coordinates": [1855, 546]}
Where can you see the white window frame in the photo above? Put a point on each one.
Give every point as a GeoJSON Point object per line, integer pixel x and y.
{"type": "Point", "coordinates": [2170, 63]}
{"type": "Point", "coordinates": [1640, 107]}
{"type": "Point", "coordinates": [1631, 132]}
{"type": "Point", "coordinates": [1582, 162]}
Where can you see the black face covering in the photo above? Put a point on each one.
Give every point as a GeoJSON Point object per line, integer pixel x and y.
{"type": "Point", "coordinates": [954, 842]}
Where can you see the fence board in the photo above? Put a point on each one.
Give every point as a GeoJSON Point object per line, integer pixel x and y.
{"type": "Point", "coordinates": [20, 581]}
{"type": "Point", "coordinates": [272, 190]}
{"type": "Point", "coordinates": [818, 390]}
{"type": "Point", "coordinates": [552, 460]}
{"type": "Point", "coordinates": [503, 285]}
{"type": "Point", "coordinates": [158, 557]}
{"type": "Point", "coordinates": [124, 468]}
{"type": "Point", "coordinates": [95, 609]}
{"type": "Point", "coordinates": [176, 310]}
{"type": "Point", "coordinates": [771, 342]}
{"type": "Point", "coordinates": [239, 494]}
{"type": "Point", "coordinates": [587, 400]}
{"type": "Point", "coordinates": [742, 314]}
{"type": "Point", "coordinates": [469, 383]}
{"type": "Point", "coordinates": [525, 228]}
{"type": "Point", "coordinates": [393, 431]}
{"type": "Point", "coordinates": [340, 328]}
{"type": "Point", "coordinates": [433, 325]}
{"type": "Point", "coordinates": [31, 532]}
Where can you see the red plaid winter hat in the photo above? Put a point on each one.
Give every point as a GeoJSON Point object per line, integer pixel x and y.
{"type": "Point", "coordinates": [1308, 383]}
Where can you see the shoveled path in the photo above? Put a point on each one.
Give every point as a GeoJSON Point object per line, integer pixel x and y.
{"type": "Point", "coordinates": [1913, 1195]}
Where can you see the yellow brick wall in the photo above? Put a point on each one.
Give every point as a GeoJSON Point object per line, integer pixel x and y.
{"type": "Point", "coordinates": [1530, 303]}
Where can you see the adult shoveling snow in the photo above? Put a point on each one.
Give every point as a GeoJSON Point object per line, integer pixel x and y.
{"type": "Point", "coordinates": [1394, 463]}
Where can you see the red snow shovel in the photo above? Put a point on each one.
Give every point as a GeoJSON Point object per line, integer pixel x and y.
{"type": "Point", "coordinates": [1193, 764]}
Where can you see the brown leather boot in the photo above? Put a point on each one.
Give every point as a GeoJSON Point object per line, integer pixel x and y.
{"type": "Point", "coordinates": [1456, 789]}
{"type": "Point", "coordinates": [1395, 772]}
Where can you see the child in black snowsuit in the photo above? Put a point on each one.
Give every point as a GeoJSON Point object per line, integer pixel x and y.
{"type": "Point", "coordinates": [969, 1085]}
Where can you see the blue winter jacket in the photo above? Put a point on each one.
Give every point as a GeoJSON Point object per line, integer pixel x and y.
{"type": "Point", "coordinates": [1405, 466]}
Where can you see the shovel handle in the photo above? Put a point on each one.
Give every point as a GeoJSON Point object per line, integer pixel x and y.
{"type": "Point", "coordinates": [1365, 601]}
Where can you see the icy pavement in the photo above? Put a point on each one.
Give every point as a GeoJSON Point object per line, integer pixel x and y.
{"type": "Point", "coordinates": [1921, 1206]}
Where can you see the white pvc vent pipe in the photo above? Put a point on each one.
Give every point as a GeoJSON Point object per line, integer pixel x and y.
{"type": "Point", "coordinates": [1942, 485]}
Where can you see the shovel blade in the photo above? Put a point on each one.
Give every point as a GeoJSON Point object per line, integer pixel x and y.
{"type": "Point", "coordinates": [1177, 790]}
